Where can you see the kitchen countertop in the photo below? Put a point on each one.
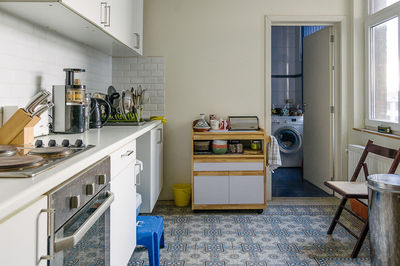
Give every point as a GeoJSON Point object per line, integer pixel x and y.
{"type": "Point", "coordinates": [16, 193]}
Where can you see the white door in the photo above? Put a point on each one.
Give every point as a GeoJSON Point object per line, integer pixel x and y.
{"type": "Point", "coordinates": [24, 236]}
{"type": "Point", "coordinates": [318, 120]}
{"type": "Point", "coordinates": [246, 189]}
{"type": "Point", "coordinates": [123, 217]}
{"type": "Point", "coordinates": [211, 189]}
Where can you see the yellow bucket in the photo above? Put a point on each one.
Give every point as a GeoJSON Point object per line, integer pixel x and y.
{"type": "Point", "coordinates": [182, 194]}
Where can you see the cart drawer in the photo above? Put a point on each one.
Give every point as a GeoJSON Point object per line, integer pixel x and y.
{"type": "Point", "coordinates": [233, 166]}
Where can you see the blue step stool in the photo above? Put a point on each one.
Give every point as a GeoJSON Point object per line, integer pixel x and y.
{"type": "Point", "coordinates": [150, 233]}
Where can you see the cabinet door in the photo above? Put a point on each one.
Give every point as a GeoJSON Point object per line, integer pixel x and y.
{"type": "Point", "coordinates": [211, 189]}
{"type": "Point", "coordinates": [119, 19]}
{"type": "Point", "coordinates": [123, 217]}
{"type": "Point", "coordinates": [246, 189]}
{"type": "Point", "coordinates": [138, 26]}
{"type": "Point", "coordinates": [92, 10]}
{"type": "Point", "coordinates": [154, 166]}
{"type": "Point", "coordinates": [24, 236]}
{"type": "Point", "coordinates": [159, 157]}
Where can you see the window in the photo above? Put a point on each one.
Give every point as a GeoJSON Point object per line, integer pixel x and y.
{"type": "Point", "coordinates": [382, 31]}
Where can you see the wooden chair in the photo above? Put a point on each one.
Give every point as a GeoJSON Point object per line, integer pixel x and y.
{"type": "Point", "coordinates": [359, 190]}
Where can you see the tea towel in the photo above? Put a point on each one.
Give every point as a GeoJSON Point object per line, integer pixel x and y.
{"type": "Point", "coordinates": [274, 155]}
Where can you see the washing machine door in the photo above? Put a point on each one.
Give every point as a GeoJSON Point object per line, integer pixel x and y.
{"type": "Point", "coordinates": [289, 139]}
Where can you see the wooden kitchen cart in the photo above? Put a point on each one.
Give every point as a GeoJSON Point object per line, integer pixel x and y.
{"type": "Point", "coordinates": [229, 181]}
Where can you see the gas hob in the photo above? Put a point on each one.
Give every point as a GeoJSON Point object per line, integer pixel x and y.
{"type": "Point", "coordinates": [23, 161]}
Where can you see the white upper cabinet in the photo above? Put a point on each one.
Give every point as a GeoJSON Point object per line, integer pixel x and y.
{"type": "Point", "coordinates": [111, 26]}
{"type": "Point", "coordinates": [138, 26]}
{"type": "Point", "coordinates": [93, 10]}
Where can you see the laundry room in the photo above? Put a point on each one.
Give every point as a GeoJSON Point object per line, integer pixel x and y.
{"type": "Point", "coordinates": [301, 86]}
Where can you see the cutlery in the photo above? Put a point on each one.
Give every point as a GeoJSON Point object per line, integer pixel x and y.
{"type": "Point", "coordinates": [42, 109]}
{"type": "Point", "coordinates": [41, 100]}
{"type": "Point", "coordinates": [36, 100]}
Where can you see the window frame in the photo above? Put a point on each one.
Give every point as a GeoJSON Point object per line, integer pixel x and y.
{"type": "Point", "coordinates": [371, 21]}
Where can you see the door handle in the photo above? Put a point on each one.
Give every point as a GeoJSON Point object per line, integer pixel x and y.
{"type": "Point", "coordinates": [140, 164]}
{"type": "Point", "coordinates": [70, 241]}
{"type": "Point", "coordinates": [103, 13]}
{"type": "Point", "coordinates": [108, 9]}
{"type": "Point", "coordinates": [161, 136]}
{"type": "Point", "coordinates": [50, 230]}
{"type": "Point", "coordinates": [127, 154]}
{"type": "Point", "coordinates": [137, 46]}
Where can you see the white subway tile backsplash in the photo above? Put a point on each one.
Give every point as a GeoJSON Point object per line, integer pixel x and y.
{"type": "Point", "coordinates": [157, 73]}
{"type": "Point", "coordinates": [150, 66]}
{"type": "Point", "coordinates": [130, 60]}
{"type": "Point", "coordinates": [159, 60]}
{"type": "Point", "coordinates": [150, 107]}
{"type": "Point", "coordinates": [157, 99]}
{"type": "Point", "coordinates": [33, 58]}
{"type": "Point", "coordinates": [147, 72]}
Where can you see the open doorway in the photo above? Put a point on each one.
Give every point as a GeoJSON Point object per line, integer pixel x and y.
{"type": "Point", "coordinates": [302, 89]}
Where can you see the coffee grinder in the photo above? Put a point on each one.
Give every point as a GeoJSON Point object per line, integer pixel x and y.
{"type": "Point", "coordinates": [69, 104]}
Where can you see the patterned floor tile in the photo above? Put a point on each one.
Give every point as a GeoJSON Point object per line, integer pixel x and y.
{"type": "Point", "coordinates": [286, 233]}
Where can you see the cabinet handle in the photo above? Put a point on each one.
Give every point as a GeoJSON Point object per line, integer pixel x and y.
{"type": "Point", "coordinates": [109, 16]}
{"type": "Point", "coordinates": [161, 136]}
{"type": "Point", "coordinates": [50, 232]}
{"type": "Point", "coordinates": [137, 46]}
{"type": "Point", "coordinates": [103, 12]}
{"type": "Point", "coordinates": [127, 154]}
{"type": "Point", "coordinates": [140, 173]}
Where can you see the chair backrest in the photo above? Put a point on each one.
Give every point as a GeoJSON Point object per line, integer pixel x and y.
{"type": "Point", "coordinates": [379, 150]}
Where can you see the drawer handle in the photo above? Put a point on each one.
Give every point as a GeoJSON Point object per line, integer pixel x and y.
{"type": "Point", "coordinates": [50, 229]}
{"type": "Point", "coordinates": [127, 154]}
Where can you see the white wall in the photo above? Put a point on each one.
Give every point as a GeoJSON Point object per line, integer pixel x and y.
{"type": "Point", "coordinates": [214, 52]}
{"type": "Point", "coordinates": [32, 57]}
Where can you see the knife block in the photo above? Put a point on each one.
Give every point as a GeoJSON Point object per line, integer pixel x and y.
{"type": "Point", "coordinates": [18, 129]}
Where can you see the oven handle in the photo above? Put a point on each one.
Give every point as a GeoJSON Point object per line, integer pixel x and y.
{"type": "Point", "coordinates": [70, 241]}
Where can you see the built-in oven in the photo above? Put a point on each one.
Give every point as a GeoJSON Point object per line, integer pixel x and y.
{"type": "Point", "coordinates": [79, 230]}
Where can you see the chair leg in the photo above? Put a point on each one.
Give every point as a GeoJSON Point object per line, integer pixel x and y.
{"type": "Point", "coordinates": [360, 240]}
{"type": "Point", "coordinates": [150, 251]}
{"type": "Point", "coordinates": [156, 251]}
{"type": "Point", "coordinates": [337, 215]}
{"type": "Point", "coordinates": [162, 245]}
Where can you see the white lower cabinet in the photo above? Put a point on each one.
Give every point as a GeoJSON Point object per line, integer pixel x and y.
{"type": "Point", "coordinates": [123, 217]}
{"type": "Point", "coordinates": [229, 189]}
{"type": "Point", "coordinates": [211, 189]}
{"type": "Point", "coordinates": [150, 152]}
{"type": "Point", "coordinates": [24, 236]}
{"type": "Point", "coordinates": [247, 189]}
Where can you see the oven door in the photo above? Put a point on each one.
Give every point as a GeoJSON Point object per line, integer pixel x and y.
{"type": "Point", "coordinates": [85, 238]}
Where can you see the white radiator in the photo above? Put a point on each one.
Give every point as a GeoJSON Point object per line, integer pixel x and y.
{"type": "Point", "coordinates": [376, 164]}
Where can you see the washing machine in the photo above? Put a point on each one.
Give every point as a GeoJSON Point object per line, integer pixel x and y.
{"type": "Point", "coordinates": [288, 130]}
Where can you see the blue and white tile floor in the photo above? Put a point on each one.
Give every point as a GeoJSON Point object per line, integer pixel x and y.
{"type": "Point", "coordinates": [289, 232]}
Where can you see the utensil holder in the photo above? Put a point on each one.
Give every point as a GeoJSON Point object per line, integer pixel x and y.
{"type": "Point", "coordinates": [19, 129]}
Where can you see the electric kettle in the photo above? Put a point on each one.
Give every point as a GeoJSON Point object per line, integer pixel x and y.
{"type": "Point", "coordinates": [96, 118]}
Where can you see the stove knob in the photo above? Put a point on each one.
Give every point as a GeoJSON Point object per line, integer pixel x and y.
{"type": "Point", "coordinates": [39, 143]}
{"type": "Point", "coordinates": [102, 179]}
{"type": "Point", "coordinates": [79, 143]}
{"type": "Point", "coordinates": [65, 143]}
{"type": "Point", "coordinates": [89, 189]}
{"type": "Point", "coordinates": [74, 202]}
{"type": "Point", "coordinates": [52, 143]}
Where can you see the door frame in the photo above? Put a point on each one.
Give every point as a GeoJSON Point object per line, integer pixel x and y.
{"type": "Point", "coordinates": [340, 81]}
